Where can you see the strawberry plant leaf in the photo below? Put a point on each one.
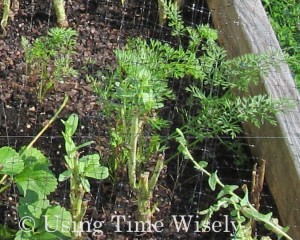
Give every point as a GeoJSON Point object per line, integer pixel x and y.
{"type": "Point", "coordinates": [58, 220]}
{"type": "Point", "coordinates": [11, 161]}
{"type": "Point", "coordinates": [37, 177]}
{"type": "Point", "coordinates": [32, 156]}
{"type": "Point", "coordinates": [31, 206]}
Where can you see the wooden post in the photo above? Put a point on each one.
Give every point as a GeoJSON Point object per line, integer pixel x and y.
{"type": "Point", "coordinates": [244, 28]}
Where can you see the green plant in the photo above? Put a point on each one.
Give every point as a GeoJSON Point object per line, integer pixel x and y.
{"type": "Point", "coordinates": [29, 170]}
{"type": "Point", "coordinates": [212, 108]}
{"type": "Point", "coordinates": [241, 209]}
{"type": "Point", "coordinates": [49, 59]}
{"type": "Point", "coordinates": [285, 19]}
{"type": "Point", "coordinates": [78, 170]}
{"type": "Point", "coordinates": [137, 89]}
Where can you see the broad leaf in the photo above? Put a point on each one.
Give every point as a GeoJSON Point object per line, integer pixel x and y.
{"type": "Point", "coordinates": [58, 220]}
{"type": "Point", "coordinates": [33, 156]}
{"type": "Point", "coordinates": [37, 177]}
{"type": "Point", "coordinates": [11, 161]}
{"type": "Point", "coordinates": [31, 208]}
{"type": "Point", "coordinates": [89, 166]}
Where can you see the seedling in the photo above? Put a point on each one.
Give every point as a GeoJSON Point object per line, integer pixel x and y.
{"type": "Point", "coordinates": [78, 171]}
{"type": "Point", "coordinates": [49, 59]}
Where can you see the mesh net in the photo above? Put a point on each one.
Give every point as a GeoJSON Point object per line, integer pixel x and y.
{"type": "Point", "coordinates": [104, 26]}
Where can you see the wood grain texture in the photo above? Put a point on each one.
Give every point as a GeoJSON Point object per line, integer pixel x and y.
{"type": "Point", "coordinates": [244, 28]}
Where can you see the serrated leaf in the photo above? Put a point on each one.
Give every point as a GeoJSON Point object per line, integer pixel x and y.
{"type": "Point", "coordinates": [58, 219]}
{"type": "Point", "coordinates": [32, 206]}
{"type": "Point", "coordinates": [37, 177]}
{"type": "Point", "coordinates": [212, 180]}
{"type": "Point", "coordinates": [11, 161]}
{"type": "Point", "coordinates": [33, 156]}
{"type": "Point", "coordinates": [65, 175]}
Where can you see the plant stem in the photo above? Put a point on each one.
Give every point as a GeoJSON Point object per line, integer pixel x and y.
{"type": "Point", "coordinates": [37, 137]}
{"type": "Point", "coordinates": [244, 209]}
{"type": "Point", "coordinates": [59, 8]}
{"type": "Point", "coordinates": [49, 123]}
{"type": "Point", "coordinates": [132, 161]}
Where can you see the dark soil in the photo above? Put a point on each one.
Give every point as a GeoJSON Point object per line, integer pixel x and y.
{"type": "Point", "coordinates": [103, 26]}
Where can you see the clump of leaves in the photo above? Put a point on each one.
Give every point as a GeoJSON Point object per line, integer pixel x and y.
{"type": "Point", "coordinates": [241, 209]}
{"type": "Point", "coordinates": [49, 59]}
{"type": "Point", "coordinates": [212, 107]}
{"type": "Point", "coordinates": [284, 17]}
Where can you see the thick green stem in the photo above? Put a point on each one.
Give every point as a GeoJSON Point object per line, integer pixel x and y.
{"type": "Point", "coordinates": [143, 198]}
{"type": "Point", "coordinates": [132, 161]}
{"type": "Point", "coordinates": [59, 8]}
{"type": "Point", "coordinates": [78, 208]}
{"type": "Point", "coordinates": [145, 191]}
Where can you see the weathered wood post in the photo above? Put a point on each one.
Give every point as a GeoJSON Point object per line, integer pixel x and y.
{"type": "Point", "coordinates": [244, 28]}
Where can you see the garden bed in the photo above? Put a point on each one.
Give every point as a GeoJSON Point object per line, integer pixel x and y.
{"type": "Point", "coordinates": [104, 26]}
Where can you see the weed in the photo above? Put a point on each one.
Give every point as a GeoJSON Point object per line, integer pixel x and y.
{"type": "Point", "coordinates": [49, 59]}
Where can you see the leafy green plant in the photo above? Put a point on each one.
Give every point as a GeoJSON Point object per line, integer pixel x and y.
{"type": "Point", "coordinates": [78, 170]}
{"type": "Point", "coordinates": [212, 107]}
{"type": "Point", "coordinates": [241, 209]}
{"type": "Point", "coordinates": [49, 59]}
{"type": "Point", "coordinates": [29, 170]}
{"type": "Point", "coordinates": [137, 89]}
{"type": "Point", "coordinates": [285, 19]}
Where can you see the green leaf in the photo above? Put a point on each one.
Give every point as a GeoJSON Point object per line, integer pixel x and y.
{"type": "Point", "coordinates": [23, 235]}
{"type": "Point", "coordinates": [33, 156]}
{"type": "Point", "coordinates": [85, 183]}
{"type": "Point", "coordinates": [89, 166]}
{"type": "Point", "coordinates": [37, 177]}
{"type": "Point", "coordinates": [11, 161]}
{"type": "Point", "coordinates": [227, 189]}
{"type": "Point", "coordinates": [212, 180]}
{"type": "Point", "coordinates": [65, 175]}
{"type": "Point", "coordinates": [31, 208]}
{"type": "Point", "coordinates": [59, 220]}
{"type": "Point", "coordinates": [84, 145]}
{"type": "Point", "coordinates": [203, 164]}
{"type": "Point", "coordinates": [71, 124]}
